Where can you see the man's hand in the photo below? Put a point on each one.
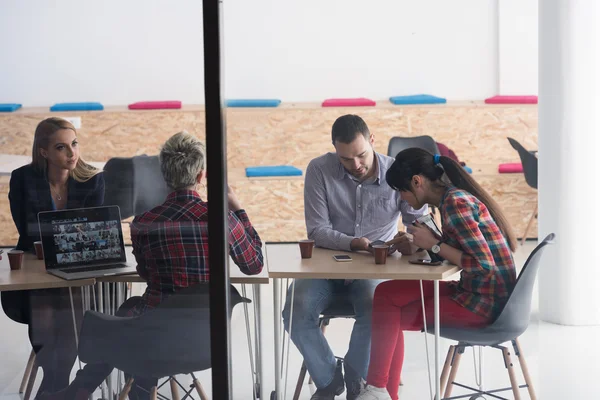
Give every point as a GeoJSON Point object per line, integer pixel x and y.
{"type": "Point", "coordinates": [362, 243]}
{"type": "Point", "coordinates": [403, 244]}
{"type": "Point", "coordinates": [232, 200]}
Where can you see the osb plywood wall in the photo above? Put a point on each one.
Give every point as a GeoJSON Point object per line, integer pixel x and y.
{"type": "Point", "coordinates": [294, 134]}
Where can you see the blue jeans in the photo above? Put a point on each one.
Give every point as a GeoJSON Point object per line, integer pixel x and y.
{"type": "Point", "coordinates": [311, 297]}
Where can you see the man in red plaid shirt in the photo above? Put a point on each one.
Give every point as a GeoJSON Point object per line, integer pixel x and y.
{"type": "Point", "coordinates": [170, 244]}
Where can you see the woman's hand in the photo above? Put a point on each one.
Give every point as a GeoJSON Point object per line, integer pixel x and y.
{"type": "Point", "coordinates": [422, 236]}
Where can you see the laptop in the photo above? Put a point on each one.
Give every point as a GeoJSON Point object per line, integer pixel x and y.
{"type": "Point", "coordinates": [84, 243]}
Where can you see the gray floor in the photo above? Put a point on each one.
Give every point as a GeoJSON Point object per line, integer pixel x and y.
{"type": "Point", "coordinates": [563, 361]}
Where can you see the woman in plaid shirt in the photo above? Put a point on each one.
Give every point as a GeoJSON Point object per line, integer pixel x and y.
{"type": "Point", "coordinates": [476, 237]}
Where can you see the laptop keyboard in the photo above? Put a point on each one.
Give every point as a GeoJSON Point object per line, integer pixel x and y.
{"type": "Point", "coordinates": [86, 269]}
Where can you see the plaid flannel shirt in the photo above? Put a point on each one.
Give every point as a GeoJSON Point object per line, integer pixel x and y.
{"type": "Point", "coordinates": [488, 270]}
{"type": "Point", "coordinates": [170, 244]}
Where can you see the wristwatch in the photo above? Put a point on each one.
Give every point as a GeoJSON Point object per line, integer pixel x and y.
{"type": "Point", "coordinates": [436, 247]}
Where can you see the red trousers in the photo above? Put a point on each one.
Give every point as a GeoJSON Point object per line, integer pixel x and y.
{"type": "Point", "coordinates": [397, 308]}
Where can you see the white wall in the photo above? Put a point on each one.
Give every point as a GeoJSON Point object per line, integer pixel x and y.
{"type": "Point", "coordinates": [117, 51]}
{"type": "Point", "coordinates": [518, 46]}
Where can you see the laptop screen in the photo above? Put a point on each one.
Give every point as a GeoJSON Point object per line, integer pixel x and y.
{"type": "Point", "coordinates": [84, 236]}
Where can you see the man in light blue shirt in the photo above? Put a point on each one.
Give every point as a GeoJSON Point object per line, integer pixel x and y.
{"type": "Point", "coordinates": [347, 205]}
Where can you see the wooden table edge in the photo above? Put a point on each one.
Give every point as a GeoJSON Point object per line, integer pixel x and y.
{"type": "Point", "coordinates": [132, 278]}
{"type": "Point", "coordinates": [390, 276]}
{"type": "Point", "coordinates": [48, 285]}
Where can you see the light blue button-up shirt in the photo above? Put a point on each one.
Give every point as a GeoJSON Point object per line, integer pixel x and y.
{"type": "Point", "coordinates": [338, 208]}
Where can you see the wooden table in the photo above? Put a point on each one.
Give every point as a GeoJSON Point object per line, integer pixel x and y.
{"type": "Point", "coordinates": [32, 276]}
{"type": "Point", "coordinates": [284, 261]}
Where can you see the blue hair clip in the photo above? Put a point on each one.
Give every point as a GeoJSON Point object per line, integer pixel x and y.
{"type": "Point", "coordinates": [436, 159]}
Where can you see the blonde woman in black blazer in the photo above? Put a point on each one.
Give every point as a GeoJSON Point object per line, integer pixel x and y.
{"type": "Point", "coordinates": [56, 179]}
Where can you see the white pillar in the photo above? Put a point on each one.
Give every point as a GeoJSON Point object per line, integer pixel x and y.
{"type": "Point", "coordinates": [569, 160]}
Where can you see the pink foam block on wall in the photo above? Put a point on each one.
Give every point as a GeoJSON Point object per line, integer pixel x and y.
{"type": "Point", "coordinates": [155, 105]}
{"type": "Point", "coordinates": [512, 100]}
{"type": "Point", "coordinates": [358, 102]}
{"type": "Point", "coordinates": [510, 168]}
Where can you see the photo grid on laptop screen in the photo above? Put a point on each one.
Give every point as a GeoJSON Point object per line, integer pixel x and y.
{"type": "Point", "coordinates": [78, 241]}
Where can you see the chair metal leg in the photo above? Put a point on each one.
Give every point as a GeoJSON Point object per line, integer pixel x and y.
{"type": "Point", "coordinates": [153, 393]}
{"type": "Point", "coordinates": [174, 388]}
{"type": "Point", "coordinates": [535, 213]}
{"type": "Point", "coordinates": [511, 372]}
{"type": "Point", "coordinates": [31, 380]}
{"type": "Point", "coordinates": [199, 389]}
{"type": "Point", "coordinates": [458, 351]}
{"type": "Point", "coordinates": [524, 369]}
{"type": "Point", "coordinates": [300, 382]}
{"type": "Point", "coordinates": [27, 372]}
{"type": "Point", "coordinates": [447, 365]}
{"type": "Point", "coordinates": [126, 389]}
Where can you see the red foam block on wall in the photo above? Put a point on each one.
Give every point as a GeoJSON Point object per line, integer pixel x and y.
{"type": "Point", "coordinates": [510, 168]}
{"type": "Point", "coordinates": [358, 102]}
{"type": "Point", "coordinates": [154, 105]}
{"type": "Point", "coordinates": [512, 100]}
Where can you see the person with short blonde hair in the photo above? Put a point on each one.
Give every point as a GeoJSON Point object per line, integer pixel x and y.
{"type": "Point", "coordinates": [181, 159]}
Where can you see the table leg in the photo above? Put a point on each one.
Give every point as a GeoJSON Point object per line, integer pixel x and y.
{"type": "Point", "coordinates": [74, 321]}
{"type": "Point", "coordinates": [120, 300]}
{"type": "Point", "coordinates": [100, 298]}
{"type": "Point", "coordinates": [249, 339]}
{"type": "Point", "coordinates": [289, 338]}
{"type": "Point", "coordinates": [258, 339]}
{"type": "Point", "coordinates": [277, 336]}
{"type": "Point", "coordinates": [107, 310]}
{"type": "Point", "coordinates": [100, 308]}
{"type": "Point", "coordinates": [436, 324]}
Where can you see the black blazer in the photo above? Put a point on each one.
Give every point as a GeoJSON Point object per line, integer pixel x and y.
{"type": "Point", "coordinates": [30, 193]}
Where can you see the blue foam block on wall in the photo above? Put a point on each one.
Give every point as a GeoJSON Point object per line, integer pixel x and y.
{"type": "Point", "coordinates": [77, 107]}
{"type": "Point", "coordinates": [275, 170]}
{"type": "Point", "coordinates": [417, 99]}
{"type": "Point", "coordinates": [253, 103]}
{"type": "Point", "coordinates": [468, 169]}
{"type": "Point", "coordinates": [9, 107]}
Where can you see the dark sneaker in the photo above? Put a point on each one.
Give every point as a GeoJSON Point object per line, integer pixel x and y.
{"type": "Point", "coordinates": [354, 383]}
{"type": "Point", "coordinates": [69, 393]}
{"type": "Point", "coordinates": [335, 388]}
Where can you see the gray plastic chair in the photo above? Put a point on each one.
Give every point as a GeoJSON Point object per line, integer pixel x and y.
{"type": "Point", "coordinates": [530, 170]}
{"type": "Point", "coordinates": [172, 339]}
{"type": "Point", "coordinates": [510, 324]}
{"type": "Point", "coordinates": [529, 161]}
{"type": "Point", "coordinates": [135, 184]}
{"type": "Point", "coordinates": [399, 143]}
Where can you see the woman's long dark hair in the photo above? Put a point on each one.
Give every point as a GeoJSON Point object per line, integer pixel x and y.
{"type": "Point", "coordinates": [416, 161]}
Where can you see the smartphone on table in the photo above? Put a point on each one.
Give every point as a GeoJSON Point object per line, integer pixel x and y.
{"type": "Point", "coordinates": [342, 257]}
{"type": "Point", "coordinates": [425, 261]}
{"type": "Point", "coordinates": [376, 243]}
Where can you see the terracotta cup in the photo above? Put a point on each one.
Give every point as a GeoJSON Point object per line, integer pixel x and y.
{"type": "Point", "coordinates": [381, 252]}
{"type": "Point", "coordinates": [306, 248]}
{"type": "Point", "coordinates": [15, 259]}
{"type": "Point", "coordinates": [39, 250]}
